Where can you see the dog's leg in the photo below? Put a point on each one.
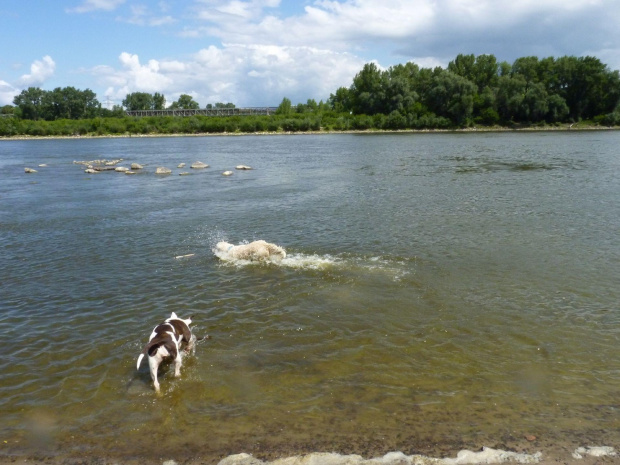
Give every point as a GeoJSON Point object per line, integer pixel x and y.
{"type": "Point", "coordinates": [154, 362]}
{"type": "Point", "coordinates": [191, 345]}
{"type": "Point", "coordinates": [177, 364]}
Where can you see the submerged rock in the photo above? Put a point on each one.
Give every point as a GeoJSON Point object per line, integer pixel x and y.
{"type": "Point", "coordinates": [30, 170]}
{"type": "Point", "coordinates": [163, 170]}
{"type": "Point", "coordinates": [90, 171]}
{"type": "Point", "coordinates": [243, 167]}
{"type": "Point", "coordinates": [198, 165]}
{"type": "Point", "coordinates": [181, 165]}
{"type": "Point", "coordinates": [121, 169]}
{"type": "Point", "coordinates": [184, 173]}
{"type": "Point", "coordinates": [227, 173]}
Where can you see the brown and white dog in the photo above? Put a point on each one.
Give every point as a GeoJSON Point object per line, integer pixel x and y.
{"type": "Point", "coordinates": [165, 343]}
{"type": "Point", "coordinates": [257, 250]}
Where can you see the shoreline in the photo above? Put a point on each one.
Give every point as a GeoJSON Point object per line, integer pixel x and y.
{"type": "Point", "coordinates": [578, 455]}
{"type": "Point", "coordinates": [473, 130]}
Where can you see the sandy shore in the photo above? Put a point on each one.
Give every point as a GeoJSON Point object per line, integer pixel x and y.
{"type": "Point", "coordinates": [567, 128]}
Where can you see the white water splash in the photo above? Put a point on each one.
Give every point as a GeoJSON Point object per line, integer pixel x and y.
{"type": "Point", "coordinates": [397, 269]}
{"type": "Point", "coordinates": [485, 456]}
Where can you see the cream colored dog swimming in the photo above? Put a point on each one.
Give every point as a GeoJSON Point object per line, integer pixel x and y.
{"type": "Point", "coordinates": [257, 250]}
{"type": "Point", "coordinates": [165, 343]}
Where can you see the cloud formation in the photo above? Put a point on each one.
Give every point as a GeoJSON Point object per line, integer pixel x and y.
{"type": "Point", "coordinates": [92, 5]}
{"type": "Point", "coordinates": [40, 71]}
{"type": "Point", "coordinates": [7, 93]}
{"type": "Point", "coordinates": [247, 75]}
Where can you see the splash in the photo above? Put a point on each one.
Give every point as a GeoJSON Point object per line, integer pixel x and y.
{"type": "Point", "coordinates": [486, 455]}
{"type": "Point", "coordinates": [391, 267]}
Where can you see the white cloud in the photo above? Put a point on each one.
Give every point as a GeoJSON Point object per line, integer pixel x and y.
{"type": "Point", "coordinates": [7, 92]}
{"type": "Point", "coordinates": [437, 29]}
{"type": "Point", "coordinates": [92, 5]}
{"type": "Point", "coordinates": [247, 75]}
{"type": "Point", "coordinates": [142, 16]}
{"type": "Point", "coordinates": [40, 71]}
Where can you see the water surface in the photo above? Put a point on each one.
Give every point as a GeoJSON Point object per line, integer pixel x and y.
{"type": "Point", "coordinates": [440, 291]}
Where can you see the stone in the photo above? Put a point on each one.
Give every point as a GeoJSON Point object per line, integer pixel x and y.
{"type": "Point", "coordinates": [130, 172]}
{"type": "Point", "coordinates": [121, 169]}
{"type": "Point", "coordinates": [243, 167]}
{"type": "Point", "coordinates": [29, 170]}
{"type": "Point", "coordinates": [227, 173]}
{"type": "Point", "coordinates": [162, 170]}
{"type": "Point", "coordinates": [181, 165]}
{"type": "Point", "coordinates": [90, 171]}
{"type": "Point", "coordinates": [136, 166]}
{"type": "Point", "coordinates": [199, 165]}
{"type": "Point", "coordinates": [184, 173]}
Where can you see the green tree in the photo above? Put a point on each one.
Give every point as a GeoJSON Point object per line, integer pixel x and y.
{"type": "Point", "coordinates": [481, 70]}
{"type": "Point", "coordinates": [29, 102]}
{"type": "Point", "coordinates": [285, 107]}
{"type": "Point", "coordinates": [341, 100]}
{"type": "Point", "coordinates": [159, 101]}
{"type": "Point", "coordinates": [186, 102]}
{"type": "Point", "coordinates": [138, 101]}
{"type": "Point", "coordinates": [367, 91]}
{"type": "Point", "coordinates": [451, 96]}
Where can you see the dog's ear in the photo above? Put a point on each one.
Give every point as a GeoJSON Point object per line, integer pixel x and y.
{"type": "Point", "coordinates": [174, 316]}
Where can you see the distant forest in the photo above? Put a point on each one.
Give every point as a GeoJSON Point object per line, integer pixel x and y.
{"type": "Point", "coordinates": [473, 91]}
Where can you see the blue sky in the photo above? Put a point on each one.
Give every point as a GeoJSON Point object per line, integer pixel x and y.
{"type": "Point", "coordinates": [255, 52]}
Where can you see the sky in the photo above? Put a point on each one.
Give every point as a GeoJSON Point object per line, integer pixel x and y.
{"type": "Point", "coordinates": [256, 52]}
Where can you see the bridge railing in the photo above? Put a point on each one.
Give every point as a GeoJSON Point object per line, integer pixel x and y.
{"type": "Point", "coordinates": [206, 112]}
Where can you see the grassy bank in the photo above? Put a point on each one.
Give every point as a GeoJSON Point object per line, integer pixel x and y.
{"type": "Point", "coordinates": [276, 124]}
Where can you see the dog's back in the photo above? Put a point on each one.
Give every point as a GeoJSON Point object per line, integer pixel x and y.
{"type": "Point", "coordinates": [169, 334]}
{"type": "Point", "coordinates": [165, 343]}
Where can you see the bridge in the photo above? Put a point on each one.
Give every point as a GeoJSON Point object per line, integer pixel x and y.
{"type": "Point", "coordinates": [206, 112]}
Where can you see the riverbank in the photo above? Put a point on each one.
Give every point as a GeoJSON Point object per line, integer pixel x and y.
{"type": "Point", "coordinates": [478, 130]}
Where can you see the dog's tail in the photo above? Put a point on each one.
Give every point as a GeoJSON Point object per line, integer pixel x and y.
{"type": "Point", "coordinates": [139, 360]}
{"type": "Point", "coordinates": [152, 345]}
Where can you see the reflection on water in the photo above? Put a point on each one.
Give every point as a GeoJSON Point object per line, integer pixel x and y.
{"type": "Point", "coordinates": [439, 292]}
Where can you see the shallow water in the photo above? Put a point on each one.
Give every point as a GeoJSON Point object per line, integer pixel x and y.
{"type": "Point", "coordinates": [440, 291]}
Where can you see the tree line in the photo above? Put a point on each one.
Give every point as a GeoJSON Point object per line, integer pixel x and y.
{"type": "Point", "coordinates": [471, 91]}
{"type": "Point", "coordinates": [71, 103]}
{"type": "Point", "coordinates": [480, 90]}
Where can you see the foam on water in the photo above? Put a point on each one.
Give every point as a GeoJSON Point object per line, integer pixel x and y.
{"type": "Point", "coordinates": [486, 455]}
{"type": "Point", "coordinates": [323, 262]}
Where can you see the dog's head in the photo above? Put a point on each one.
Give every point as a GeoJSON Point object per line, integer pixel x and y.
{"type": "Point", "coordinates": [223, 247]}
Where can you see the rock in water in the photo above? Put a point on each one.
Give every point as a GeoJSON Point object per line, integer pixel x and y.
{"type": "Point", "coordinates": [162, 170]}
{"type": "Point", "coordinates": [199, 165]}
